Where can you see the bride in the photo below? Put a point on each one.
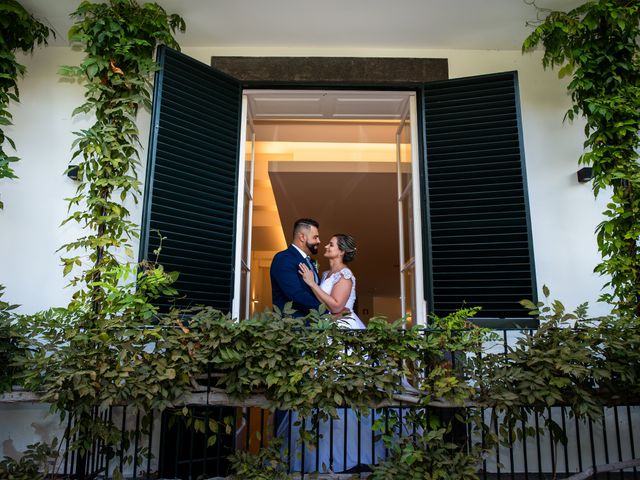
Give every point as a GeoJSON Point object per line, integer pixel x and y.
{"type": "Point", "coordinates": [337, 289]}
{"type": "Point", "coordinates": [342, 437]}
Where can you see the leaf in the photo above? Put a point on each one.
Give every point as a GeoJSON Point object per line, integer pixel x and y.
{"type": "Point", "coordinates": [566, 70]}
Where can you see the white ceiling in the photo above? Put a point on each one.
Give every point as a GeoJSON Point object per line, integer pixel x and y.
{"type": "Point", "coordinates": [327, 105]}
{"type": "Point", "coordinates": [320, 131]}
{"type": "Point", "coordinates": [400, 24]}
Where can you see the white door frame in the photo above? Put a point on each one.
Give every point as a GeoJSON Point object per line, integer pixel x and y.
{"type": "Point", "coordinates": [421, 308]}
{"type": "Point", "coordinates": [240, 198]}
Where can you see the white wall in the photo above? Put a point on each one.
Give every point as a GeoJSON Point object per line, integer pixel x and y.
{"type": "Point", "coordinates": [563, 212]}
{"type": "Point", "coordinates": [30, 231]}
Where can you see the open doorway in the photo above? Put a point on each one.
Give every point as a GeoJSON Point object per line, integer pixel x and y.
{"type": "Point", "coordinates": [347, 159]}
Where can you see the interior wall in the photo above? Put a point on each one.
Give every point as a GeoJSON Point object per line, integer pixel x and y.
{"type": "Point", "coordinates": [563, 212]}
{"type": "Point", "coordinates": [345, 156]}
{"type": "Point", "coordinates": [387, 306]}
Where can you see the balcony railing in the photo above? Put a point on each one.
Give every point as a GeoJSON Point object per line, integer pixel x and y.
{"type": "Point", "coordinates": [349, 443]}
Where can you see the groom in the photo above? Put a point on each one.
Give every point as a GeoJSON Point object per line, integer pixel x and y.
{"type": "Point", "coordinates": [287, 284]}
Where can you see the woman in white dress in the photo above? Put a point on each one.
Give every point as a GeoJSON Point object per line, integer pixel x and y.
{"type": "Point", "coordinates": [337, 290]}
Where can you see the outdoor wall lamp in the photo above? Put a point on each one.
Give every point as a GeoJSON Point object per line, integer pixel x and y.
{"type": "Point", "coordinates": [584, 174]}
{"type": "Point", "coordinates": [72, 172]}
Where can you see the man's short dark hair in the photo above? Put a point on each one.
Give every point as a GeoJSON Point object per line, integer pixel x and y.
{"type": "Point", "coordinates": [304, 223]}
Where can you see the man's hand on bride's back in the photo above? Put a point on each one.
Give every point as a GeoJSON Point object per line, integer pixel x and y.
{"type": "Point", "coordinates": [344, 313]}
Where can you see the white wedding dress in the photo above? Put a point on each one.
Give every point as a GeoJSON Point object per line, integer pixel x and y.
{"type": "Point", "coordinates": [361, 448]}
{"type": "Point", "coordinates": [327, 283]}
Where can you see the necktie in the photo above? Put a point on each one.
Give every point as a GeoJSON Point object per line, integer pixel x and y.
{"type": "Point", "coordinates": [313, 269]}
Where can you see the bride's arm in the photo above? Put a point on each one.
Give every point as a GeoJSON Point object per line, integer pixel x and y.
{"type": "Point", "coordinates": [340, 292]}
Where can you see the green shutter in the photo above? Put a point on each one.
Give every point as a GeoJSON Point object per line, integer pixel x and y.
{"type": "Point", "coordinates": [477, 222]}
{"type": "Point", "coordinates": [190, 189]}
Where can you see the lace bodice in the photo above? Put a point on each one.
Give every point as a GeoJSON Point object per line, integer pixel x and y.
{"type": "Point", "coordinates": [327, 283]}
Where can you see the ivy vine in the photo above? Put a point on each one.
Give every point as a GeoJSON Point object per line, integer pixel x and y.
{"type": "Point", "coordinates": [596, 44]}
{"type": "Point", "coordinates": [97, 344]}
{"type": "Point", "coordinates": [19, 31]}
{"type": "Point", "coordinates": [119, 38]}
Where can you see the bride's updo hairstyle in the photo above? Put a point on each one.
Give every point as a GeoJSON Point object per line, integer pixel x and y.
{"type": "Point", "coordinates": [346, 244]}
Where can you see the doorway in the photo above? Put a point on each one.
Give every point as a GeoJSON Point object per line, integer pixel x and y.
{"type": "Point", "coordinates": [348, 159]}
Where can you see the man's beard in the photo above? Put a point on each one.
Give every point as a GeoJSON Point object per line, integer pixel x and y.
{"type": "Point", "coordinates": [312, 248]}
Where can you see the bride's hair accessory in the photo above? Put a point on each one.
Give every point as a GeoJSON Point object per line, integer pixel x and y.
{"type": "Point", "coordinates": [346, 244]}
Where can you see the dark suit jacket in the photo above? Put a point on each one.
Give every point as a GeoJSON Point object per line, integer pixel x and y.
{"type": "Point", "coordinates": [287, 284]}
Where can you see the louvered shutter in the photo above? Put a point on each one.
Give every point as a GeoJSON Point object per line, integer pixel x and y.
{"type": "Point", "coordinates": [478, 228]}
{"type": "Point", "coordinates": [190, 190]}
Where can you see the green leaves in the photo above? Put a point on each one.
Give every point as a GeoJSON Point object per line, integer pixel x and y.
{"type": "Point", "coordinates": [35, 463]}
{"type": "Point", "coordinates": [569, 361]}
{"type": "Point", "coordinates": [302, 368]}
{"type": "Point", "coordinates": [12, 344]}
{"type": "Point", "coordinates": [267, 464]}
{"type": "Point", "coordinates": [596, 44]}
{"type": "Point", "coordinates": [101, 349]}
{"type": "Point", "coordinates": [427, 455]}
{"type": "Point", "coordinates": [19, 31]}
{"type": "Point", "coordinates": [119, 38]}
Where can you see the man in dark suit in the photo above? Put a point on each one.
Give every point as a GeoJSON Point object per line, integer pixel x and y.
{"type": "Point", "coordinates": [287, 284]}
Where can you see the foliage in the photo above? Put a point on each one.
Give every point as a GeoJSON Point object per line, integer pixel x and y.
{"type": "Point", "coordinates": [267, 464]}
{"type": "Point", "coordinates": [19, 31]}
{"type": "Point", "coordinates": [35, 463]}
{"type": "Point", "coordinates": [429, 455]}
{"type": "Point", "coordinates": [11, 343]}
{"type": "Point", "coordinates": [325, 366]}
{"type": "Point", "coordinates": [597, 45]}
{"type": "Point", "coordinates": [123, 361]}
{"type": "Point", "coordinates": [128, 362]}
{"type": "Point", "coordinates": [100, 351]}
{"type": "Point", "coordinates": [569, 361]}
{"type": "Point", "coordinates": [552, 365]}
{"type": "Point", "coordinates": [119, 38]}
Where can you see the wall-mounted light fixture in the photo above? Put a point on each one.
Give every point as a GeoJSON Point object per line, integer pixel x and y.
{"type": "Point", "coordinates": [584, 174]}
{"type": "Point", "coordinates": [72, 172]}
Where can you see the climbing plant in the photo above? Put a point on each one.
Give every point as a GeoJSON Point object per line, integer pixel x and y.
{"type": "Point", "coordinates": [313, 366]}
{"type": "Point", "coordinates": [19, 31]}
{"type": "Point", "coordinates": [100, 350]}
{"type": "Point", "coordinates": [11, 343]}
{"type": "Point", "coordinates": [119, 38]}
{"type": "Point", "coordinates": [596, 45]}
